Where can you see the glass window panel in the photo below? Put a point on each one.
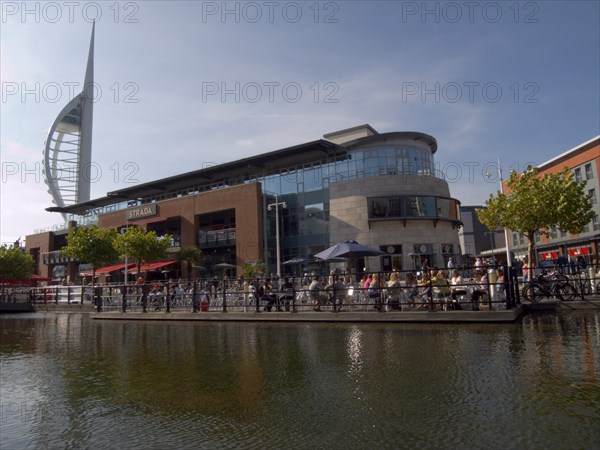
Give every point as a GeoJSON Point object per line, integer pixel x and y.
{"type": "Point", "coordinates": [443, 208]}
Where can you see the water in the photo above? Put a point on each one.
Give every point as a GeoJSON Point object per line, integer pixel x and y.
{"type": "Point", "coordinates": [68, 382]}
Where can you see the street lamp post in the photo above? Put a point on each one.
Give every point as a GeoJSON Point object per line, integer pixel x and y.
{"type": "Point", "coordinates": [276, 205]}
{"type": "Point", "coordinates": [508, 257]}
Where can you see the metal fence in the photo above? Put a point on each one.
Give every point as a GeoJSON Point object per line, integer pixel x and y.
{"type": "Point", "coordinates": [392, 292]}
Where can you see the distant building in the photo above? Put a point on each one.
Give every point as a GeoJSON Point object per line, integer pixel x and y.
{"type": "Point", "coordinates": [476, 240]}
{"type": "Point", "coordinates": [584, 161]}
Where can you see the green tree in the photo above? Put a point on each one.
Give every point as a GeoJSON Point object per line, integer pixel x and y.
{"type": "Point", "coordinates": [92, 245]}
{"type": "Point", "coordinates": [142, 247]}
{"type": "Point", "coordinates": [15, 264]}
{"type": "Point", "coordinates": [189, 256]}
{"type": "Point", "coordinates": [538, 203]}
{"type": "Point", "coordinates": [251, 269]}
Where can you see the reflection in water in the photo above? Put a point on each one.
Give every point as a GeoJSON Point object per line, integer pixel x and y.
{"type": "Point", "coordinates": [70, 382]}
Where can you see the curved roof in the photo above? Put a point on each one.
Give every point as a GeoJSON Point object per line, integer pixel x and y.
{"type": "Point", "coordinates": [383, 137]}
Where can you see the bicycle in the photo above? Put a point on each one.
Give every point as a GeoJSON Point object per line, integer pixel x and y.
{"type": "Point", "coordinates": [550, 285]}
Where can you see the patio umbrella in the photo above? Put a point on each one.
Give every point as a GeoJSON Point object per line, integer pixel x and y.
{"type": "Point", "coordinates": [224, 266]}
{"type": "Point", "coordinates": [348, 249]}
{"type": "Point", "coordinates": [298, 260]}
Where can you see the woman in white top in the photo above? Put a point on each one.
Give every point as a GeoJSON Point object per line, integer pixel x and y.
{"type": "Point", "coordinates": [457, 285]}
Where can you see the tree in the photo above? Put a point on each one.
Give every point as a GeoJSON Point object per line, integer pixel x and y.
{"type": "Point", "coordinates": [251, 269]}
{"type": "Point", "coordinates": [189, 255]}
{"type": "Point", "coordinates": [92, 245]}
{"type": "Point", "coordinates": [142, 247]}
{"type": "Point", "coordinates": [15, 264]}
{"type": "Point", "coordinates": [538, 203]}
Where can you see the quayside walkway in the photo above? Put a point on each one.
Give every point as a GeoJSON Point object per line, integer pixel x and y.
{"type": "Point", "coordinates": [324, 316]}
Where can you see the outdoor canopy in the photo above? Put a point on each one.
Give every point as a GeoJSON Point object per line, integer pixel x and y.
{"type": "Point", "coordinates": [348, 249]}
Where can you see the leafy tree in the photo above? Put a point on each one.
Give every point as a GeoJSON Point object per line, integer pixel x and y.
{"type": "Point", "coordinates": [15, 264]}
{"type": "Point", "coordinates": [538, 203]}
{"type": "Point", "coordinates": [251, 269]}
{"type": "Point", "coordinates": [93, 245]}
{"type": "Point", "coordinates": [189, 256]}
{"type": "Point", "coordinates": [142, 247]}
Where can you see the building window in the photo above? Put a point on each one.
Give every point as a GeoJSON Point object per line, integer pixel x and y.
{"type": "Point", "coordinates": [596, 223]}
{"type": "Point", "coordinates": [588, 171]}
{"type": "Point", "coordinates": [553, 233]}
{"type": "Point", "coordinates": [578, 174]}
{"type": "Point", "coordinates": [536, 237]}
{"type": "Point", "coordinates": [592, 194]}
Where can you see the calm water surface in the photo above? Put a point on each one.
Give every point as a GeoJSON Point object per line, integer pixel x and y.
{"type": "Point", "coordinates": [68, 382]}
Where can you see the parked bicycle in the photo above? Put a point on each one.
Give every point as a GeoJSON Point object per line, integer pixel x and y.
{"type": "Point", "coordinates": [552, 284]}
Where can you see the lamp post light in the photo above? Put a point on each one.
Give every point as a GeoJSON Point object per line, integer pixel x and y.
{"type": "Point", "coordinates": [276, 205]}
{"type": "Point", "coordinates": [489, 175]}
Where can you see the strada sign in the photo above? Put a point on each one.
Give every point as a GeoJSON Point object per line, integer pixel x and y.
{"type": "Point", "coordinates": [140, 212]}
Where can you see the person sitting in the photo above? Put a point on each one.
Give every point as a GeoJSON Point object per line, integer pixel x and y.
{"type": "Point", "coordinates": [374, 292]}
{"type": "Point", "coordinates": [425, 292]}
{"type": "Point", "coordinates": [412, 290]}
{"type": "Point", "coordinates": [458, 289]}
{"type": "Point", "coordinates": [338, 292]}
{"type": "Point", "coordinates": [316, 294]}
{"type": "Point", "coordinates": [481, 290]}
{"type": "Point", "coordinates": [441, 288]}
{"type": "Point", "coordinates": [393, 291]}
{"type": "Point", "coordinates": [287, 294]}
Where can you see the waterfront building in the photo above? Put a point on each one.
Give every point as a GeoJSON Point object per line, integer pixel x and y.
{"type": "Point", "coordinates": [380, 189]}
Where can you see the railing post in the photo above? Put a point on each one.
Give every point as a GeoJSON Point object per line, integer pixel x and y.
{"type": "Point", "coordinates": [168, 298]}
{"type": "Point", "coordinates": [145, 289]}
{"type": "Point", "coordinates": [195, 301]}
{"type": "Point", "coordinates": [257, 295]}
{"type": "Point", "coordinates": [293, 309]}
{"type": "Point", "coordinates": [431, 306]}
{"type": "Point", "coordinates": [68, 295]}
{"type": "Point", "coordinates": [98, 297]}
{"type": "Point", "coordinates": [56, 295]}
{"type": "Point", "coordinates": [124, 299]}
{"type": "Point", "coordinates": [224, 296]}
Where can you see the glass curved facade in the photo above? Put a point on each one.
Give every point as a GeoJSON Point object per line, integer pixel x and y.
{"type": "Point", "coordinates": [305, 221]}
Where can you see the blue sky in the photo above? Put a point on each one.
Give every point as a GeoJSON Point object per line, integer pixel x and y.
{"type": "Point", "coordinates": [183, 85]}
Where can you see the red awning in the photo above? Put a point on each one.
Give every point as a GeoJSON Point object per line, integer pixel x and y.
{"type": "Point", "coordinates": [549, 256]}
{"type": "Point", "coordinates": [112, 268]}
{"type": "Point", "coordinates": [579, 251]}
{"type": "Point", "coordinates": [153, 266]}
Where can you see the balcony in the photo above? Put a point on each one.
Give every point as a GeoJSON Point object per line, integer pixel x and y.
{"type": "Point", "coordinates": [55, 257]}
{"type": "Point", "coordinates": [216, 238]}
